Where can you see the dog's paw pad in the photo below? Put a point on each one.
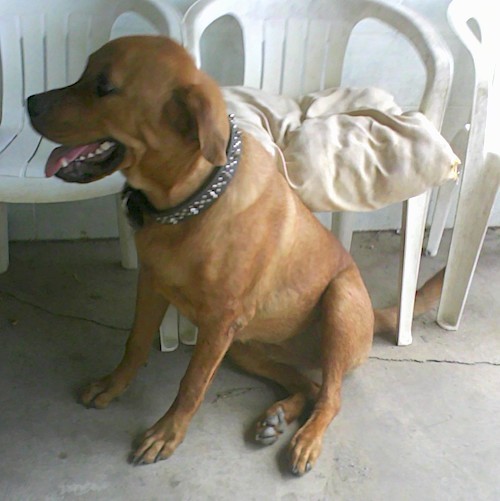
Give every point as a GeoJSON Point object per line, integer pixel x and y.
{"type": "Point", "coordinates": [267, 436]}
{"type": "Point", "coordinates": [270, 428]}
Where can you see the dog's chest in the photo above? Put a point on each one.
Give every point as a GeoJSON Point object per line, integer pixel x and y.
{"type": "Point", "coordinates": [192, 265]}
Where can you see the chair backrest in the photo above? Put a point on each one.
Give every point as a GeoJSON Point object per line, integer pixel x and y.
{"type": "Point", "coordinates": [294, 47]}
{"type": "Point", "coordinates": [288, 48]}
{"type": "Point", "coordinates": [45, 44]}
{"type": "Point", "coordinates": [478, 30]}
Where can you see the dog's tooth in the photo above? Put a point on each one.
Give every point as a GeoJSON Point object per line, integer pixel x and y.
{"type": "Point", "coordinates": [106, 145]}
{"type": "Point", "coordinates": [90, 155]}
{"type": "Point", "coordinates": [99, 150]}
{"type": "Point", "coordinates": [64, 162]}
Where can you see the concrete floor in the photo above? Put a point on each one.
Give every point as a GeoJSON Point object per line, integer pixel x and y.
{"type": "Point", "coordinates": [417, 423]}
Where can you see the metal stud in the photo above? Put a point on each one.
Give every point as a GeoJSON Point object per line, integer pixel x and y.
{"type": "Point", "coordinates": [226, 172]}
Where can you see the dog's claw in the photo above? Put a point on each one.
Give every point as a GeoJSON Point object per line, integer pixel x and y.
{"type": "Point", "coordinates": [296, 472]}
{"type": "Point", "coordinates": [90, 405]}
{"type": "Point", "coordinates": [135, 460]}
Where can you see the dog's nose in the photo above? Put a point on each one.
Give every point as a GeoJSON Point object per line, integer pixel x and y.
{"type": "Point", "coordinates": [35, 105]}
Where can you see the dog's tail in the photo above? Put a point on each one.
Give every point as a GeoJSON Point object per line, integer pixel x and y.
{"type": "Point", "coordinates": [428, 295]}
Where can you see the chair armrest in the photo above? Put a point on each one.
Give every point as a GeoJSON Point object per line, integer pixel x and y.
{"type": "Point", "coordinates": [432, 50]}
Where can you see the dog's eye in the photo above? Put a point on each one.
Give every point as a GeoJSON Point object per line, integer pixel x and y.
{"type": "Point", "coordinates": [104, 87]}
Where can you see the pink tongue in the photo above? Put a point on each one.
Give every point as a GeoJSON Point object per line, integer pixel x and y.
{"type": "Point", "coordinates": [55, 160]}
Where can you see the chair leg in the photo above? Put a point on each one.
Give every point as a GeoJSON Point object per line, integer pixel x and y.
{"type": "Point", "coordinates": [445, 195]}
{"type": "Point", "coordinates": [126, 234]}
{"type": "Point", "coordinates": [169, 330]}
{"type": "Point", "coordinates": [441, 211]}
{"type": "Point", "coordinates": [477, 196]}
{"type": "Point", "coordinates": [188, 332]}
{"type": "Point", "coordinates": [412, 235]}
{"type": "Point", "coordinates": [342, 227]}
{"type": "Point", "coordinates": [4, 238]}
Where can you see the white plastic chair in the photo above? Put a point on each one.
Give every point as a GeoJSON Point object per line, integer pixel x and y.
{"type": "Point", "coordinates": [481, 171]}
{"type": "Point", "coordinates": [45, 45]}
{"type": "Point", "coordinates": [297, 47]}
{"type": "Point", "coordinates": [445, 196]}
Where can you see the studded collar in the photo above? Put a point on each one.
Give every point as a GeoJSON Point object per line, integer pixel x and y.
{"type": "Point", "coordinates": [137, 205]}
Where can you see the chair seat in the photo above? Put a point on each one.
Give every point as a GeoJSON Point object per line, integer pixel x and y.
{"type": "Point", "coordinates": [7, 134]}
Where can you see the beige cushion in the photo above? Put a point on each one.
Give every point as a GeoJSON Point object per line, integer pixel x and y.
{"type": "Point", "coordinates": [346, 149]}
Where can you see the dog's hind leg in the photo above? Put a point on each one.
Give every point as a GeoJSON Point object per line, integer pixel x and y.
{"type": "Point", "coordinates": [254, 357]}
{"type": "Point", "coordinates": [346, 338]}
{"type": "Point", "coordinates": [149, 312]}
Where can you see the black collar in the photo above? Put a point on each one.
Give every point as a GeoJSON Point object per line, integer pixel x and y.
{"type": "Point", "coordinates": [137, 204]}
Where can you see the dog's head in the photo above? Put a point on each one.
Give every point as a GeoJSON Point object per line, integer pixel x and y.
{"type": "Point", "coordinates": [140, 104]}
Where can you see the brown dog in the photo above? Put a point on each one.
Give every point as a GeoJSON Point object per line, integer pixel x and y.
{"type": "Point", "coordinates": [251, 266]}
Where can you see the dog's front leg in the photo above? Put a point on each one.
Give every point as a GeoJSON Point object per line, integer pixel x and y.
{"type": "Point", "coordinates": [149, 312]}
{"type": "Point", "coordinates": [162, 438]}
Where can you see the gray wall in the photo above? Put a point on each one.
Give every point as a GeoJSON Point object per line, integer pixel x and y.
{"type": "Point", "coordinates": [376, 56]}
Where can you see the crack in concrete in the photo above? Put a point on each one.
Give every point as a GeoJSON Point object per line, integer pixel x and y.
{"type": "Point", "coordinates": [62, 315]}
{"type": "Point", "coordinates": [122, 329]}
{"type": "Point", "coordinates": [234, 392]}
{"type": "Point", "coordinates": [434, 361]}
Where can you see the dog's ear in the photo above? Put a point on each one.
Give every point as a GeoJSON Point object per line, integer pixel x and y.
{"type": "Point", "coordinates": [192, 112]}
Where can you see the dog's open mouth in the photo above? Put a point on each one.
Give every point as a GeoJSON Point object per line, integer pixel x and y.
{"type": "Point", "coordinates": [85, 163]}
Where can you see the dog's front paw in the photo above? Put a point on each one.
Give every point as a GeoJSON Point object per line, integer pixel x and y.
{"type": "Point", "coordinates": [100, 393]}
{"type": "Point", "coordinates": [158, 443]}
{"type": "Point", "coordinates": [305, 448]}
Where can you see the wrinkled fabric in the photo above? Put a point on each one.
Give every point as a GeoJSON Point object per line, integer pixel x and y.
{"type": "Point", "coordinates": [346, 149]}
